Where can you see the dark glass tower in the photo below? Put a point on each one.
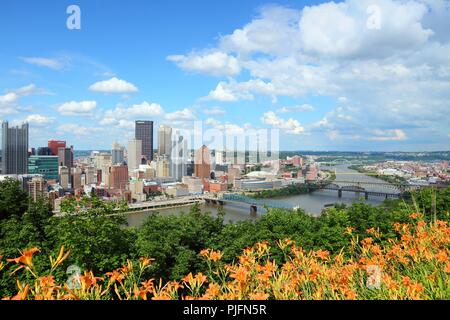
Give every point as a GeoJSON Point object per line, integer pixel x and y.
{"type": "Point", "coordinates": [144, 132]}
{"type": "Point", "coordinates": [14, 149]}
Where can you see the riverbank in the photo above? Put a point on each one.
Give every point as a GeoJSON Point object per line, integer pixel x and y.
{"type": "Point", "coordinates": [386, 178]}
{"type": "Point", "coordinates": [291, 190]}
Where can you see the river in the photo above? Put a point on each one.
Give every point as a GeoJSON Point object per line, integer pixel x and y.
{"type": "Point", "coordinates": [312, 203]}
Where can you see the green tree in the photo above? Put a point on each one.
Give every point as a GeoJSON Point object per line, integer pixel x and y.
{"type": "Point", "coordinates": [13, 199]}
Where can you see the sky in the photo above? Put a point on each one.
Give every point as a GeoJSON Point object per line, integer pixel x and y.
{"type": "Point", "coordinates": [354, 75]}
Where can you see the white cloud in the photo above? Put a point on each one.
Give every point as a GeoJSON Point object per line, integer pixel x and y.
{"type": "Point", "coordinates": [214, 111]}
{"type": "Point", "coordinates": [36, 120]}
{"type": "Point", "coordinates": [303, 107]}
{"type": "Point", "coordinates": [74, 108]}
{"type": "Point", "coordinates": [54, 64]}
{"type": "Point", "coordinates": [9, 102]}
{"type": "Point", "coordinates": [113, 85]}
{"type": "Point", "coordinates": [213, 63]}
{"type": "Point", "coordinates": [291, 126]}
{"type": "Point", "coordinates": [123, 117]}
{"type": "Point", "coordinates": [388, 135]}
{"type": "Point", "coordinates": [181, 115]}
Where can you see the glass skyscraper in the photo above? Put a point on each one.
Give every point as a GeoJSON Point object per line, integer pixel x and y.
{"type": "Point", "coordinates": [144, 132]}
{"type": "Point", "coordinates": [46, 166]}
{"type": "Point", "coordinates": [14, 149]}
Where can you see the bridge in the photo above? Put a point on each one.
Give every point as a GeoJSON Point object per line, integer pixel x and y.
{"type": "Point", "coordinates": [368, 188]}
{"type": "Point", "coordinates": [235, 198]}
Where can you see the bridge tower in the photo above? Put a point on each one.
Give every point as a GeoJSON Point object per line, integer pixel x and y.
{"type": "Point", "coordinates": [340, 193]}
{"type": "Point", "coordinates": [253, 210]}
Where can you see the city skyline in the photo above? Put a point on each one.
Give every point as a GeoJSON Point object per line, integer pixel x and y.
{"type": "Point", "coordinates": [353, 84]}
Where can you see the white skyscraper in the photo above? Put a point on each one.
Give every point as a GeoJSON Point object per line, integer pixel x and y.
{"type": "Point", "coordinates": [164, 140]}
{"type": "Point", "coordinates": [134, 154]}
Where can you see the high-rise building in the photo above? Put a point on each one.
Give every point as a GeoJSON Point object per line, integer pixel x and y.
{"type": "Point", "coordinates": [179, 158]}
{"type": "Point", "coordinates": [164, 140]}
{"type": "Point", "coordinates": [144, 133]}
{"type": "Point", "coordinates": [64, 177]}
{"type": "Point", "coordinates": [65, 156]}
{"type": "Point", "coordinates": [54, 146]}
{"type": "Point", "coordinates": [14, 149]}
{"type": "Point", "coordinates": [37, 188]}
{"type": "Point", "coordinates": [202, 163]}
{"type": "Point", "coordinates": [134, 154]}
{"type": "Point", "coordinates": [76, 178]}
{"type": "Point", "coordinates": [163, 167]}
{"type": "Point", "coordinates": [47, 166]}
{"type": "Point", "coordinates": [118, 177]}
{"type": "Point", "coordinates": [117, 153]}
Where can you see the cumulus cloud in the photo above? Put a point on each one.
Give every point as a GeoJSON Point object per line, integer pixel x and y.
{"type": "Point", "coordinates": [181, 115]}
{"type": "Point", "coordinates": [213, 63]}
{"type": "Point", "coordinates": [77, 108]}
{"type": "Point", "coordinates": [36, 120]}
{"type": "Point", "coordinates": [124, 116]}
{"type": "Point", "coordinates": [9, 102]}
{"type": "Point", "coordinates": [113, 85]}
{"type": "Point", "coordinates": [385, 63]}
{"type": "Point", "coordinates": [291, 126]}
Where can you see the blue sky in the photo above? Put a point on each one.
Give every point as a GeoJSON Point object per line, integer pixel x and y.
{"type": "Point", "coordinates": [328, 76]}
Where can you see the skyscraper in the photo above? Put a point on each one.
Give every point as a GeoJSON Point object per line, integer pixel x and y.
{"type": "Point", "coordinates": [65, 156]}
{"type": "Point", "coordinates": [134, 154]}
{"type": "Point", "coordinates": [117, 153]}
{"type": "Point", "coordinates": [164, 140]}
{"type": "Point", "coordinates": [54, 146]}
{"type": "Point", "coordinates": [14, 149]}
{"type": "Point", "coordinates": [179, 157]}
{"type": "Point", "coordinates": [144, 133]}
{"type": "Point", "coordinates": [202, 163]}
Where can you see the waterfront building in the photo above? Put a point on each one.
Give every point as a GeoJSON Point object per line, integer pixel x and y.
{"type": "Point", "coordinates": [47, 166]}
{"type": "Point", "coordinates": [144, 133]}
{"type": "Point", "coordinates": [14, 149]}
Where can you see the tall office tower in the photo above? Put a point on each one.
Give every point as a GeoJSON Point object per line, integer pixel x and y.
{"type": "Point", "coordinates": [76, 178]}
{"type": "Point", "coordinates": [37, 188]}
{"type": "Point", "coordinates": [14, 149]}
{"type": "Point", "coordinates": [144, 132]}
{"type": "Point", "coordinates": [64, 177]}
{"type": "Point", "coordinates": [54, 146]}
{"type": "Point", "coordinates": [134, 154]}
{"type": "Point", "coordinates": [91, 175]}
{"type": "Point", "coordinates": [65, 156]}
{"type": "Point", "coordinates": [118, 177]}
{"type": "Point", "coordinates": [46, 166]}
{"type": "Point", "coordinates": [202, 163]}
{"type": "Point", "coordinates": [179, 158]}
{"type": "Point", "coordinates": [117, 153]}
{"type": "Point", "coordinates": [164, 140]}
